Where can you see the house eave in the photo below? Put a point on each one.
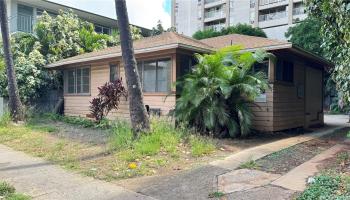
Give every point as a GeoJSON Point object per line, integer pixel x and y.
{"type": "Point", "coordinates": [119, 54]}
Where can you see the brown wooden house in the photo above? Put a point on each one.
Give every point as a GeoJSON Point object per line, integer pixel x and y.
{"type": "Point", "coordinates": [296, 78]}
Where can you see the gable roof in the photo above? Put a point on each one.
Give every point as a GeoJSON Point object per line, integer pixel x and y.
{"type": "Point", "coordinates": [251, 43]}
{"type": "Point", "coordinates": [172, 40]}
{"type": "Point", "coordinates": [248, 42]}
{"type": "Point", "coordinates": [168, 40]}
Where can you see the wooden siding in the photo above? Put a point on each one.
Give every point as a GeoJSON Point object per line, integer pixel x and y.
{"type": "Point", "coordinates": [263, 113]}
{"type": "Point", "coordinates": [289, 109]}
{"type": "Point", "coordinates": [76, 105]}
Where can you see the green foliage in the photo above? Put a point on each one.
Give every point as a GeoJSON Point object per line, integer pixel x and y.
{"type": "Point", "coordinates": [55, 38]}
{"type": "Point", "coordinates": [243, 29]}
{"type": "Point", "coordinates": [122, 136]}
{"type": "Point", "coordinates": [334, 17]}
{"type": "Point", "coordinates": [6, 189]}
{"type": "Point", "coordinates": [306, 34]}
{"type": "Point", "coordinates": [17, 196]}
{"type": "Point", "coordinates": [327, 186]}
{"type": "Point", "coordinates": [5, 119]}
{"type": "Point", "coordinates": [216, 94]}
{"type": "Point", "coordinates": [7, 192]}
{"type": "Point", "coordinates": [249, 165]}
{"type": "Point", "coordinates": [200, 146]}
{"type": "Point", "coordinates": [216, 195]}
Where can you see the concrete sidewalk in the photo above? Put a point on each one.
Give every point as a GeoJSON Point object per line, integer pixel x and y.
{"type": "Point", "coordinates": [41, 180]}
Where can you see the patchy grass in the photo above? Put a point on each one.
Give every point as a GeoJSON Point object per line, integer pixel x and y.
{"type": "Point", "coordinates": [8, 192]}
{"type": "Point", "coordinates": [201, 146]}
{"type": "Point", "coordinates": [328, 186]}
{"type": "Point", "coordinates": [164, 148]}
{"type": "Point", "coordinates": [5, 119]}
{"type": "Point", "coordinates": [249, 165]}
{"type": "Point", "coordinates": [216, 195]}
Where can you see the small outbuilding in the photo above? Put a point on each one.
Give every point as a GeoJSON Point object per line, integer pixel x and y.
{"type": "Point", "coordinates": [294, 100]}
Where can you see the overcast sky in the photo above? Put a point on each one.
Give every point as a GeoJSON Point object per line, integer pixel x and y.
{"type": "Point", "coordinates": [144, 13]}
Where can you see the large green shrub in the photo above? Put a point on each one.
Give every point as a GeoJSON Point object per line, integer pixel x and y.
{"type": "Point", "coordinates": [55, 38]}
{"type": "Point", "coordinates": [243, 29]}
{"type": "Point", "coordinates": [216, 95]}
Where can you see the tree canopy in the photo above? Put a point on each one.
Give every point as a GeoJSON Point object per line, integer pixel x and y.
{"type": "Point", "coordinates": [54, 38]}
{"type": "Point", "coordinates": [335, 32]}
{"type": "Point", "coordinates": [306, 34]}
{"type": "Point", "coordinates": [243, 29]}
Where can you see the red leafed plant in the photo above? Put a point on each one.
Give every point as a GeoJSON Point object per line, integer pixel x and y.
{"type": "Point", "coordinates": [108, 98]}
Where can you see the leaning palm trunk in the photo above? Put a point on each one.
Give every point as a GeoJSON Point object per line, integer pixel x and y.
{"type": "Point", "coordinates": [14, 100]}
{"type": "Point", "coordinates": [138, 115]}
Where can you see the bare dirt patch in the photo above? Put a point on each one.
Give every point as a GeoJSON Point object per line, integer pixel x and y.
{"type": "Point", "coordinates": [283, 161]}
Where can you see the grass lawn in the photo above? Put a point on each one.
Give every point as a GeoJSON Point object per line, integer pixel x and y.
{"type": "Point", "coordinates": [164, 149]}
{"type": "Point", "coordinates": [8, 192]}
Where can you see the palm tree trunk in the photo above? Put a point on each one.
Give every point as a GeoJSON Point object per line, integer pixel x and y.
{"type": "Point", "coordinates": [138, 115]}
{"type": "Point", "coordinates": [14, 100]}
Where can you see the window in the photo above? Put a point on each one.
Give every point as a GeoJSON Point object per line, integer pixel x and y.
{"type": "Point", "coordinates": [285, 71]}
{"type": "Point", "coordinates": [102, 30]}
{"type": "Point", "coordinates": [77, 81]}
{"type": "Point", "coordinates": [25, 18]}
{"type": "Point", "coordinates": [155, 75]}
{"type": "Point", "coordinates": [113, 72]}
{"type": "Point", "coordinates": [262, 67]}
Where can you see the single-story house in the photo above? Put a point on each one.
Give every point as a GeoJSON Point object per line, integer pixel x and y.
{"type": "Point", "coordinates": [296, 78]}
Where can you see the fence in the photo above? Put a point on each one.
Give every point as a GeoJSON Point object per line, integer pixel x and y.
{"type": "Point", "coordinates": [47, 102]}
{"type": "Point", "coordinates": [3, 106]}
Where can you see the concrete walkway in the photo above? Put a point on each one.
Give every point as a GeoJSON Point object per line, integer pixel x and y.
{"type": "Point", "coordinates": [41, 180]}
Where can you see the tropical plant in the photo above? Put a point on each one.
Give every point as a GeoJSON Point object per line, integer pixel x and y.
{"type": "Point", "coordinates": [55, 38]}
{"type": "Point", "coordinates": [334, 17]}
{"type": "Point", "coordinates": [15, 103]}
{"type": "Point", "coordinates": [306, 34]}
{"type": "Point", "coordinates": [216, 95]}
{"type": "Point", "coordinates": [138, 115]}
{"type": "Point", "coordinates": [243, 29]}
{"type": "Point", "coordinates": [108, 98]}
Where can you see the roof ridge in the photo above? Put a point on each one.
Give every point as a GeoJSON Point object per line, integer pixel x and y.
{"type": "Point", "coordinates": [242, 35]}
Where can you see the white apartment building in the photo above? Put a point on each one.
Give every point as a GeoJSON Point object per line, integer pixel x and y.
{"type": "Point", "coordinates": [273, 16]}
{"type": "Point", "coordinates": [23, 14]}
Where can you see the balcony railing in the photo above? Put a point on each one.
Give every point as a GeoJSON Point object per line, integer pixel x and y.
{"type": "Point", "coordinates": [25, 23]}
{"type": "Point", "coordinates": [216, 27]}
{"type": "Point", "coordinates": [211, 1]}
{"type": "Point", "coordinates": [272, 16]}
{"type": "Point", "coordinates": [214, 14]}
{"type": "Point", "coordinates": [298, 11]}
{"type": "Point", "coordinates": [266, 2]}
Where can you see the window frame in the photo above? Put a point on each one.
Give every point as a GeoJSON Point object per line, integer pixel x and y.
{"type": "Point", "coordinates": [75, 93]}
{"type": "Point", "coordinates": [117, 70]}
{"type": "Point", "coordinates": [156, 60]}
{"type": "Point", "coordinates": [283, 71]}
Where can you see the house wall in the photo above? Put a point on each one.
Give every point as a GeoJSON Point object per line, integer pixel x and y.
{"type": "Point", "coordinates": [291, 105]}
{"type": "Point", "coordinates": [75, 105]}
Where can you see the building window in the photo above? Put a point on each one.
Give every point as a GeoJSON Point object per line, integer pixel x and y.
{"type": "Point", "coordinates": [102, 29]}
{"type": "Point", "coordinates": [25, 19]}
{"type": "Point", "coordinates": [155, 75]}
{"type": "Point", "coordinates": [113, 72]}
{"type": "Point", "coordinates": [77, 81]}
{"type": "Point", "coordinates": [273, 14]}
{"type": "Point", "coordinates": [285, 71]}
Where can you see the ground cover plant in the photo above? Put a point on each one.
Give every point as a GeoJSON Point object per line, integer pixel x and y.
{"type": "Point", "coordinates": [216, 95]}
{"type": "Point", "coordinates": [8, 192]}
{"type": "Point", "coordinates": [165, 148]}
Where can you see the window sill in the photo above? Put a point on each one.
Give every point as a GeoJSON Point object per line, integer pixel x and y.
{"type": "Point", "coordinates": [77, 95]}
{"type": "Point", "coordinates": [284, 83]}
{"type": "Point", "coordinates": [158, 93]}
